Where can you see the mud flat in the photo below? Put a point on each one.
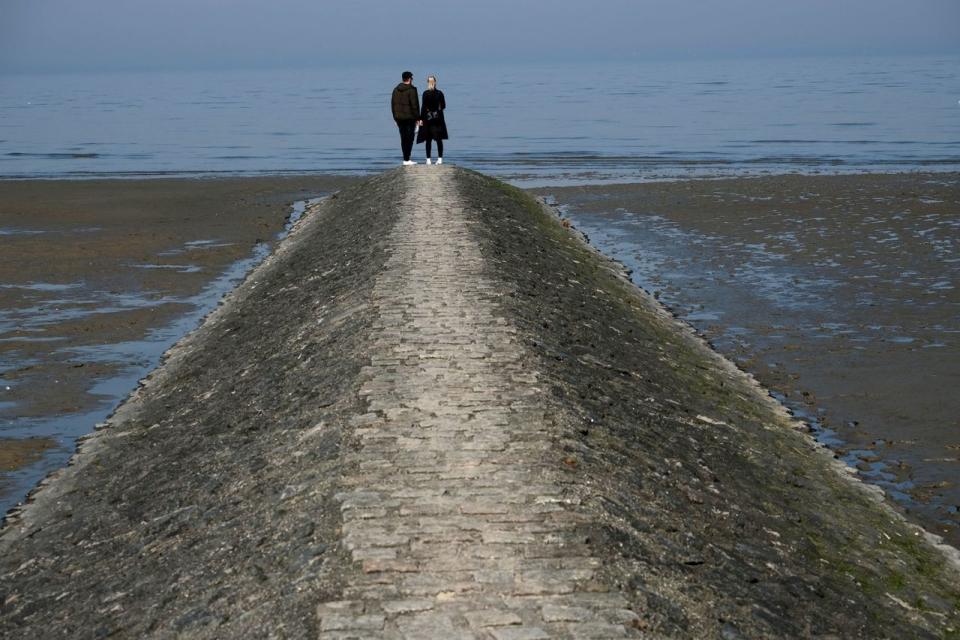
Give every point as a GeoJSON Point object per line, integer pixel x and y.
{"type": "Point", "coordinates": [97, 279]}
{"type": "Point", "coordinates": [839, 293]}
{"type": "Point", "coordinates": [436, 412]}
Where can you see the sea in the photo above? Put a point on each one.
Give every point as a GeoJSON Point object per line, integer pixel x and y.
{"type": "Point", "coordinates": [534, 124]}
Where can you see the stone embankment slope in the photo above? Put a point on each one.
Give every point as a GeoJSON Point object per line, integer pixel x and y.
{"type": "Point", "coordinates": [436, 413]}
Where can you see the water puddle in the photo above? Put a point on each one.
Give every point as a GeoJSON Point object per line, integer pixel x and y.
{"type": "Point", "coordinates": [21, 231]}
{"type": "Point", "coordinates": [194, 245]}
{"type": "Point", "coordinates": [43, 286]}
{"type": "Point", "coordinates": [179, 268]}
{"type": "Point", "coordinates": [74, 303]}
{"type": "Point", "coordinates": [15, 231]}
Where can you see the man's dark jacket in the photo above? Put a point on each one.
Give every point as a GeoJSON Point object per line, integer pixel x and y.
{"type": "Point", "coordinates": [405, 103]}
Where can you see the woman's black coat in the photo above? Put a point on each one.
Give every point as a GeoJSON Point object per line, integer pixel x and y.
{"type": "Point", "coordinates": [433, 100]}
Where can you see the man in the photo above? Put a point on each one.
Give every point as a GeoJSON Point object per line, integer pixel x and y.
{"type": "Point", "coordinates": [405, 103]}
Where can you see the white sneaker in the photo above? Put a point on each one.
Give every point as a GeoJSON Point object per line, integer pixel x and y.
{"type": "Point", "coordinates": [407, 163]}
{"type": "Point", "coordinates": [439, 160]}
{"type": "Point", "coordinates": [429, 162]}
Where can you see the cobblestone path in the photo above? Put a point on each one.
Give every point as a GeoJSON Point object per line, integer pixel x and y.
{"type": "Point", "coordinates": [457, 526]}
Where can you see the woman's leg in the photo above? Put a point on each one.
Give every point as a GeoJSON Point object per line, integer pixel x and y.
{"type": "Point", "coordinates": [430, 146]}
{"type": "Point", "coordinates": [439, 148]}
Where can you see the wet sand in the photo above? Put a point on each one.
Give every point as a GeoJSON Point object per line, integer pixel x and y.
{"type": "Point", "coordinates": [97, 278]}
{"type": "Point", "coordinates": [19, 453]}
{"type": "Point", "coordinates": [837, 292]}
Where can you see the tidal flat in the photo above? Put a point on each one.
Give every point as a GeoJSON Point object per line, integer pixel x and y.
{"type": "Point", "coordinates": [838, 293]}
{"type": "Point", "coordinates": [98, 278]}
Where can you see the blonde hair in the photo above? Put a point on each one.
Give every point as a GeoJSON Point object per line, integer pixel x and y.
{"type": "Point", "coordinates": [431, 82]}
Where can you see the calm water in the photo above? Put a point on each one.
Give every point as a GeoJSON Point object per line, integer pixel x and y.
{"type": "Point", "coordinates": [529, 123]}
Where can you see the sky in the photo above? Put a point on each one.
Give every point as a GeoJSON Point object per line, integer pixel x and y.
{"type": "Point", "coordinates": [67, 35]}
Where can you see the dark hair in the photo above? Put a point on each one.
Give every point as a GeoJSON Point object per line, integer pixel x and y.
{"type": "Point", "coordinates": [406, 75]}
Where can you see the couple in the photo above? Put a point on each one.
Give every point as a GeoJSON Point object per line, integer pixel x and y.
{"type": "Point", "coordinates": [408, 113]}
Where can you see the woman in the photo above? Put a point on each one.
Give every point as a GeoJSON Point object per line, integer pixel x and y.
{"type": "Point", "coordinates": [432, 124]}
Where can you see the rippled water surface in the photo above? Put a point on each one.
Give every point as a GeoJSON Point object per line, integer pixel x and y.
{"type": "Point", "coordinates": [532, 123]}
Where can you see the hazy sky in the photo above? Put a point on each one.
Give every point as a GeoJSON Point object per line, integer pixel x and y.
{"type": "Point", "coordinates": [131, 34]}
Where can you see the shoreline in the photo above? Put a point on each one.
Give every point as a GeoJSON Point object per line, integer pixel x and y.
{"type": "Point", "coordinates": [523, 180]}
